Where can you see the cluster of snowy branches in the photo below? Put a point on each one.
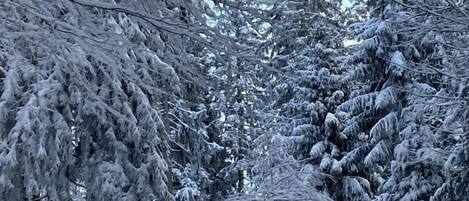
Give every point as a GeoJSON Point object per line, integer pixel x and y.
{"type": "Point", "coordinates": [194, 100]}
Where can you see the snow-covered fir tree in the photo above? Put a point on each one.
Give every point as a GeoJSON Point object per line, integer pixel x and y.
{"type": "Point", "coordinates": [301, 47]}
{"type": "Point", "coordinates": [78, 105]}
{"type": "Point", "coordinates": [238, 94]}
{"type": "Point", "coordinates": [407, 89]}
{"type": "Point", "coordinates": [431, 126]}
{"type": "Point", "coordinates": [89, 107]}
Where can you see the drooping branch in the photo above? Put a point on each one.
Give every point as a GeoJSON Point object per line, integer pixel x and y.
{"type": "Point", "coordinates": [218, 44]}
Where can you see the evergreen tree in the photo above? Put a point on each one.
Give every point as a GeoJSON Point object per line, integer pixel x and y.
{"type": "Point", "coordinates": [88, 106]}
{"type": "Point", "coordinates": [78, 114]}
{"type": "Point", "coordinates": [238, 93]}
{"type": "Point", "coordinates": [431, 129]}
{"type": "Point", "coordinates": [370, 116]}
{"type": "Point", "coordinates": [302, 43]}
{"type": "Point", "coordinates": [413, 85]}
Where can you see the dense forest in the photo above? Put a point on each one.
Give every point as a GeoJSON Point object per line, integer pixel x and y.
{"type": "Point", "coordinates": [237, 100]}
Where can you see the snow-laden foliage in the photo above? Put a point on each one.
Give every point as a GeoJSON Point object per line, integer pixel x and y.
{"type": "Point", "coordinates": [90, 96]}
{"type": "Point", "coordinates": [379, 153]}
{"type": "Point", "coordinates": [234, 100]}
{"type": "Point", "coordinates": [372, 121]}
{"type": "Point", "coordinates": [80, 117]}
{"type": "Point", "coordinates": [359, 103]}
{"type": "Point", "coordinates": [385, 128]}
{"type": "Point", "coordinates": [417, 92]}
{"type": "Point", "coordinates": [354, 190]}
{"type": "Point", "coordinates": [301, 95]}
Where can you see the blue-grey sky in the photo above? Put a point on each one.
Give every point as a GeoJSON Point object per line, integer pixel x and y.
{"type": "Point", "coordinates": [346, 4]}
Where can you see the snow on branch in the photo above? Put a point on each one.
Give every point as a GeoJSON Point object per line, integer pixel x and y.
{"type": "Point", "coordinates": [378, 153]}
{"type": "Point", "coordinates": [359, 103]}
{"type": "Point", "coordinates": [385, 127]}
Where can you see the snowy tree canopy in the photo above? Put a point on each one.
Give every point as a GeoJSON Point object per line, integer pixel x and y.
{"type": "Point", "coordinates": [104, 100]}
